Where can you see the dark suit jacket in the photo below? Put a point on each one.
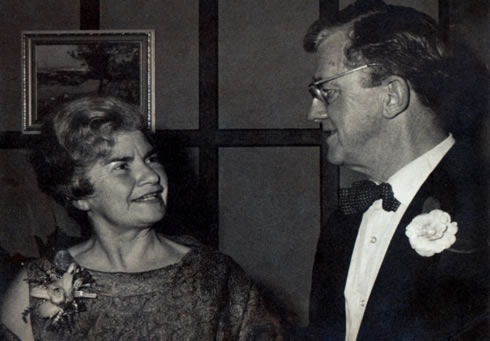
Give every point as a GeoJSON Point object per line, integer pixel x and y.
{"type": "Point", "coordinates": [414, 297]}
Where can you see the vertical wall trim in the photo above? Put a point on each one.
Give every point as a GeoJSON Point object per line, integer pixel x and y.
{"type": "Point", "coordinates": [329, 173]}
{"type": "Point", "coordinates": [444, 17]}
{"type": "Point", "coordinates": [208, 113]}
{"type": "Point", "coordinates": [328, 8]}
{"type": "Point", "coordinates": [329, 180]}
{"type": "Point", "coordinates": [89, 14]}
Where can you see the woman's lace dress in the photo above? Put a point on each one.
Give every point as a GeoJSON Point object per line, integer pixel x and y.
{"type": "Point", "coordinates": [206, 296]}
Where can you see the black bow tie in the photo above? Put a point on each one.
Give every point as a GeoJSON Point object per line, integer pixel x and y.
{"type": "Point", "coordinates": [362, 194]}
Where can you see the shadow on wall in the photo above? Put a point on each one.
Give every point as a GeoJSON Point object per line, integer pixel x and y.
{"type": "Point", "coordinates": [468, 100]}
{"type": "Point", "coordinates": [25, 212]}
{"type": "Point", "coordinates": [188, 212]}
{"type": "Point", "coordinates": [468, 31]}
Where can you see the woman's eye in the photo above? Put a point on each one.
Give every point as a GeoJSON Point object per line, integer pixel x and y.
{"type": "Point", "coordinates": [121, 166]}
{"type": "Point", "coordinates": [153, 159]}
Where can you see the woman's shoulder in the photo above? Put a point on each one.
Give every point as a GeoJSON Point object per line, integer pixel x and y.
{"type": "Point", "coordinates": [58, 261]}
{"type": "Point", "coordinates": [258, 318]}
{"type": "Point", "coordinates": [206, 252]}
{"type": "Point", "coordinates": [14, 304]}
{"type": "Point", "coordinates": [208, 259]}
{"type": "Point", "coordinates": [186, 240]}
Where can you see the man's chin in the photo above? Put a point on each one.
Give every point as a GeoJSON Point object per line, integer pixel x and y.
{"type": "Point", "coordinates": [335, 158]}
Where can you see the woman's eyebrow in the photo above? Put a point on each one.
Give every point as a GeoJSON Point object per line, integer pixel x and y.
{"type": "Point", "coordinates": [150, 152]}
{"type": "Point", "coordinates": [118, 159]}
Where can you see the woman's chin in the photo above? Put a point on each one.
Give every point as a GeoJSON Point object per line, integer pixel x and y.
{"type": "Point", "coordinates": [150, 217]}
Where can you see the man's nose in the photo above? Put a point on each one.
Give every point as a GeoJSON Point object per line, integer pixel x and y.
{"type": "Point", "coordinates": [318, 111]}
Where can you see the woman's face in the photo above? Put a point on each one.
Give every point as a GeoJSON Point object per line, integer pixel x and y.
{"type": "Point", "coordinates": [130, 185]}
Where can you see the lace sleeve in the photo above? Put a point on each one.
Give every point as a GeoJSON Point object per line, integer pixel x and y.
{"type": "Point", "coordinates": [258, 322]}
{"type": "Point", "coordinates": [248, 314]}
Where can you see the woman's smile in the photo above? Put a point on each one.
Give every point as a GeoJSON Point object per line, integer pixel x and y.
{"type": "Point", "coordinates": [130, 185]}
{"type": "Point", "coordinates": [151, 196]}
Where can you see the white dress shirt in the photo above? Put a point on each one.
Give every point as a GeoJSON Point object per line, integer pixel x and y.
{"type": "Point", "coordinates": [375, 233]}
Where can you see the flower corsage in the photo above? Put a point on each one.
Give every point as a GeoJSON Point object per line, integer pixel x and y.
{"type": "Point", "coordinates": [62, 295]}
{"type": "Point", "coordinates": [431, 233]}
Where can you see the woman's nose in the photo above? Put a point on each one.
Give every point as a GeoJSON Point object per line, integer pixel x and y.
{"type": "Point", "coordinates": [318, 111]}
{"type": "Point", "coordinates": [148, 174]}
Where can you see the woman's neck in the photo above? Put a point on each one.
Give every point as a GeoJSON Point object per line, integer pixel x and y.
{"type": "Point", "coordinates": [139, 251]}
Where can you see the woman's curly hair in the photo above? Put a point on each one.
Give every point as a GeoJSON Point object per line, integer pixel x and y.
{"type": "Point", "coordinates": [73, 138]}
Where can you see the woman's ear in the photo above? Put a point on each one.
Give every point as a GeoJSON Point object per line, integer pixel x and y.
{"type": "Point", "coordinates": [81, 204]}
{"type": "Point", "coordinates": [398, 96]}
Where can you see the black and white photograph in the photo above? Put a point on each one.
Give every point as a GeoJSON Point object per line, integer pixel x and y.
{"type": "Point", "coordinates": [281, 170]}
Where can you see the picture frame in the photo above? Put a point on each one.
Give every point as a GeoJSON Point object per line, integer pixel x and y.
{"type": "Point", "coordinates": [61, 65]}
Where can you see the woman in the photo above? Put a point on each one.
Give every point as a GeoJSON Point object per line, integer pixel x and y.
{"type": "Point", "coordinates": [126, 282]}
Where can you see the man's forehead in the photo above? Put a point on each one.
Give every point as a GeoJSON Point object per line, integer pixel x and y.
{"type": "Point", "coordinates": [333, 34]}
{"type": "Point", "coordinates": [330, 54]}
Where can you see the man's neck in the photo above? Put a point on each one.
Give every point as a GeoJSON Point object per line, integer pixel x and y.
{"type": "Point", "coordinates": [404, 149]}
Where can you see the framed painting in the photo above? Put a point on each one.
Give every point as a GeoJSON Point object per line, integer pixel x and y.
{"type": "Point", "coordinates": [64, 65]}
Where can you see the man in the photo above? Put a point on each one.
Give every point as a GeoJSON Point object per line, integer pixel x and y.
{"type": "Point", "coordinates": [412, 264]}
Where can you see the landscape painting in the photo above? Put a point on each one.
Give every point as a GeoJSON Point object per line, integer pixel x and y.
{"type": "Point", "coordinates": [60, 66]}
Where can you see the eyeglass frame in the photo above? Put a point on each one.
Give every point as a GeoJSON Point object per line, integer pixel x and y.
{"type": "Point", "coordinates": [316, 91]}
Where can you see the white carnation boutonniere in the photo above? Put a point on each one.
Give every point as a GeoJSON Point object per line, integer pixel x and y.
{"type": "Point", "coordinates": [432, 232]}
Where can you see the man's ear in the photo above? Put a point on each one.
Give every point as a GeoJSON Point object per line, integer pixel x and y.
{"type": "Point", "coordinates": [81, 204]}
{"type": "Point", "coordinates": [397, 96]}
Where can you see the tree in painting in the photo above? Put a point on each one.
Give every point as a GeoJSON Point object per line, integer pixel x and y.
{"type": "Point", "coordinates": [116, 67]}
{"type": "Point", "coordinates": [99, 68]}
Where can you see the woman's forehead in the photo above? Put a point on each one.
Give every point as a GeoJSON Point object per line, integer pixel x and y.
{"type": "Point", "coordinates": [129, 143]}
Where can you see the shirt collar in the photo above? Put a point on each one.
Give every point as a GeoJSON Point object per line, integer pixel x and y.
{"type": "Point", "coordinates": [407, 181]}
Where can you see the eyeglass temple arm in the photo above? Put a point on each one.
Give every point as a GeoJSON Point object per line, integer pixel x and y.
{"type": "Point", "coordinates": [321, 81]}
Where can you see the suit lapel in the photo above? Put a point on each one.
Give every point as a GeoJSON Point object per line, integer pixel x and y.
{"type": "Point", "coordinates": [405, 275]}
{"type": "Point", "coordinates": [332, 261]}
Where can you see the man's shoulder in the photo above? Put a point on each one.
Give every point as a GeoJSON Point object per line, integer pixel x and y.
{"type": "Point", "coordinates": [461, 166]}
{"type": "Point", "coordinates": [457, 186]}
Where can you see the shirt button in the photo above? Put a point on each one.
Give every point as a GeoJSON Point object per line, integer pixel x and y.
{"type": "Point", "coordinates": [373, 240]}
{"type": "Point", "coordinates": [363, 303]}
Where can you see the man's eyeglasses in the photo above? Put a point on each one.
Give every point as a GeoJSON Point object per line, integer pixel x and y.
{"type": "Point", "coordinates": [328, 95]}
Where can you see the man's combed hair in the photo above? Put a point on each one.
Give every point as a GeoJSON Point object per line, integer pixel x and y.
{"type": "Point", "coordinates": [399, 40]}
{"type": "Point", "coordinates": [73, 138]}
{"type": "Point", "coordinates": [316, 32]}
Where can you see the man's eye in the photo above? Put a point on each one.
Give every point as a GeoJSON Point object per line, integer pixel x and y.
{"type": "Point", "coordinates": [329, 95]}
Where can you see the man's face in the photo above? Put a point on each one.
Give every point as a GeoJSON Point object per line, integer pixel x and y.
{"type": "Point", "coordinates": [351, 115]}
